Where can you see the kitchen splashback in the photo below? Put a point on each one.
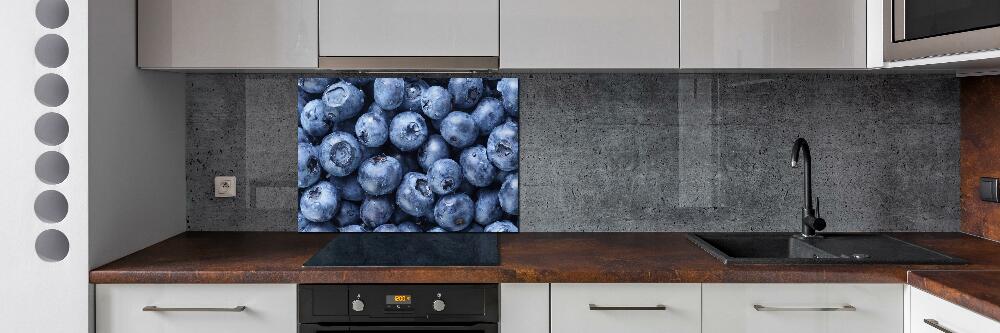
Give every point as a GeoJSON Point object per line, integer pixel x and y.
{"type": "Point", "coordinates": [394, 154]}
{"type": "Point", "coordinates": [640, 152]}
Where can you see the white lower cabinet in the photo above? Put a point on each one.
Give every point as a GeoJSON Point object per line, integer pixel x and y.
{"type": "Point", "coordinates": [817, 308]}
{"type": "Point", "coordinates": [196, 308]}
{"type": "Point", "coordinates": [524, 308]}
{"type": "Point", "coordinates": [930, 314]}
{"type": "Point", "coordinates": [625, 307]}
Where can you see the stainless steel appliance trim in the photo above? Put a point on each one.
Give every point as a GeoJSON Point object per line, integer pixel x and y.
{"type": "Point", "coordinates": [848, 307]}
{"type": "Point", "coordinates": [963, 42]}
{"type": "Point", "coordinates": [658, 307]}
{"type": "Point", "coordinates": [410, 63]}
{"type": "Point", "coordinates": [935, 324]}
{"type": "Point", "coordinates": [154, 308]}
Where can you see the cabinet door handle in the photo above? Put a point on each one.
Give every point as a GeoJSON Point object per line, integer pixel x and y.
{"type": "Point", "coordinates": [154, 308]}
{"type": "Point", "coordinates": [935, 324]}
{"type": "Point", "coordinates": [848, 307]}
{"type": "Point", "coordinates": [660, 307]}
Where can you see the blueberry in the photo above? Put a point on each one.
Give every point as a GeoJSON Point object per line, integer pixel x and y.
{"type": "Point", "coordinates": [465, 92]}
{"type": "Point", "coordinates": [437, 229]}
{"type": "Point", "coordinates": [414, 89]}
{"type": "Point", "coordinates": [454, 212]}
{"type": "Point", "coordinates": [375, 211]}
{"type": "Point", "coordinates": [476, 166]}
{"type": "Point", "coordinates": [304, 98]}
{"type": "Point", "coordinates": [433, 150]}
{"type": "Point", "coordinates": [501, 226]}
{"type": "Point", "coordinates": [309, 169]}
{"type": "Point", "coordinates": [502, 146]}
{"type": "Point", "coordinates": [319, 202]}
{"type": "Point", "coordinates": [371, 129]}
{"type": "Point", "coordinates": [459, 130]}
{"type": "Point", "coordinates": [408, 131]}
{"type": "Point", "coordinates": [407, 160]}
{"type": "Point", "coordinates": [487, 115]}
{"type": "Point", "coordinates": [314, 85]}
{"type": "Point", "coordinates": [340, 154]}
{"type": "Point", "coordinates": [508, 90]}
{"type": "Point", "coordinates": [389, 93]}
{"type": "Point", "coordinates": [399, 216]}
{"type": "Point", "coordinates": [487, 207]}
{"type": "Point", "coordinates": [318, 227]}
{"type": "Point", "coordinates": [387, 228]}
{"type": "Point", "coordinates": [414, 195]}
{"type": "Point", "coordinates": [508, 195]}
{"type": "Point", "coordinates": [302, 221]}
{"type": "Point", "coordinates": [380, 175]}
{"type": "Point", "coordinates": [316, 119]}
{"type": "Point", "coordinates": [500, 176]}
{"type": "Point", "coordinates": [358, 81]}
{"type": "Point", "coordinates": [435, 102]}
{"type": "Point", "coordinates": [303, 137]}
{"type": "Point", "coordinates": [474, 228]}
{"type": "Point", "coordinates": [348, 214]}
{"type": "Point", "coordinates": [343, 100]}
{"type": "Point", "coordinates": [354, 228]}
{"type": "Point", "coordinates": [445, 176]}
{"type": "Point", "coordinates": [348, 187]}
{"type": "Point", "coordinates": [386, 114]}
{"type": "Point", "coordinates": [408, 227]}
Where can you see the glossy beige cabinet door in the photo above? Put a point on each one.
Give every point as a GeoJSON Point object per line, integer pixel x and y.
{"type": "Point", "coordinates": [408, 28]}
{"type": "Point", "coordinates": [773, 34]}
{"type": "Point", "coordinates": [227, 33]}
{"type": "Point", "coordinates": [626, 307]}
{"type": "Point", "coordinates": [798, 307]}
{"type": "Point", "coordinates": [589, 34]}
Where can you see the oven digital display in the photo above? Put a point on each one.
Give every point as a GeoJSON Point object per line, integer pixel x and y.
{"type": "Point", "coordinates": [398, 299]}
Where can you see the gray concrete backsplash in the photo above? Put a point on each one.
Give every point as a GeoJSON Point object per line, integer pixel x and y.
{"type": "Point", "coordinates": [639, 152]}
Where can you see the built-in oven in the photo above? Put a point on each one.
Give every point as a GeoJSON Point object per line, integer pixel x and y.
{"type": "Point", "coordinates": [928, 28]}
{"type": "Point", "coordinates": [384, 308]}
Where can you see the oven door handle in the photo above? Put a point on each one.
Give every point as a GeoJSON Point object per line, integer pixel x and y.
{"type": "Point", "coordinates": [482, 327]}
{"type": "Point", "coordinates": [485, 328]}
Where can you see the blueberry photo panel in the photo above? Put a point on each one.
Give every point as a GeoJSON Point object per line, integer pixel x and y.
{"type": "Point", "coordinates": [408, 154]}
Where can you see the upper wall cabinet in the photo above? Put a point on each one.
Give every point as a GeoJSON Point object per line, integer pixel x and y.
{"type": "Point", "coordinates": [399, 34]}
{"type": "Point", "coordinates": [227, 33]}
{"type": "Point", "coordinates": [775, 34]}
{"type": "Point", "coordinates": [589, 34]}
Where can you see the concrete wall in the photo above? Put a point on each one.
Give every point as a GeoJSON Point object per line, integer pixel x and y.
{"type": "Point", "coordinates": [640, 152]}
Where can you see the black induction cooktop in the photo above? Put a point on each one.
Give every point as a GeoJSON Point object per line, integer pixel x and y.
{"type": "Point", "coordinates": [409, 249]}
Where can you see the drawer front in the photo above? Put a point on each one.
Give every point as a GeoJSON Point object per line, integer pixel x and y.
{"type": "Point", "coordinates": [406, 28]}
{"type": "Point", "coordinates": [730, 308]}
{"type": "Point", "coordinates": [269, 308]}
{"type": "Point", "coordinates": [946, 315]}
{"type": "Point", "coordinates": [571, 310]}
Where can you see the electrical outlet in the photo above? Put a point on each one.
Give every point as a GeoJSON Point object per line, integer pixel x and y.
{"type": "Point", "coordinates": [225, 187]}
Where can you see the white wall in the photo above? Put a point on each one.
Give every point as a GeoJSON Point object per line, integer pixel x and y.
{"type": "Point", "coordinates": [137, 188]}
{"type": "Point", "coordinates": [38, 295]}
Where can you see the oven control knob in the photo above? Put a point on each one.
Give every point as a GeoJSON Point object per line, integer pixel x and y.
{"type": "Point", "coordinates": [438, 305]}
{"type": "Point", "coordinates": [358, 305]}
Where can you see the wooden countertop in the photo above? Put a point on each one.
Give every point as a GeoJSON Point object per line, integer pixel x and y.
{"type": "Point", "coordinates": [978, 291]}
{"type": "Point", "coordinates": [277, 257]}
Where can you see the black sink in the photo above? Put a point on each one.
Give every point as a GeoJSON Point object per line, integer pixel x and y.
{"type": "Point", "coordinates": [786, 248]}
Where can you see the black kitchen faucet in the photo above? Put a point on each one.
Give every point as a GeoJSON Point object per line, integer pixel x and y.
{"type": "Point", "coordinates": [810, 221]}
